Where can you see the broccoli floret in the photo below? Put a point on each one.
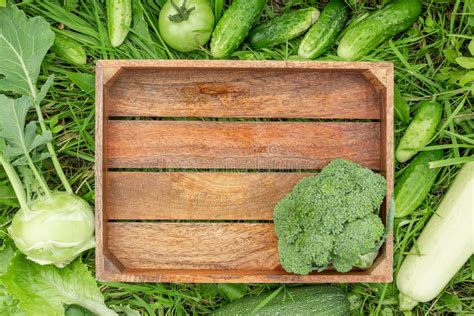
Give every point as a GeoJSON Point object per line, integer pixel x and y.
{"type": "Point", "coordinates": [330, 219]}
{"type": "Point", "coordinates": [359, 238]}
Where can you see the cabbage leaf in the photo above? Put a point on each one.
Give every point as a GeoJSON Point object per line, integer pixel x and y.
{"type": "Point", "coordinates": [44, 290]}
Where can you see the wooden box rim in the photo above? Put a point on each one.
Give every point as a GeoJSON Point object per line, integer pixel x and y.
{"type": "Point", "coordinates": [109, 268]}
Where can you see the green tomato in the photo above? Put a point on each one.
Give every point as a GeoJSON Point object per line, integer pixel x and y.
{"type": "Point", "coordinates": [186, 25]}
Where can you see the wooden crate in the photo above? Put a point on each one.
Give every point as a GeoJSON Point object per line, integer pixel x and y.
{"type": "Point", "coordinates": [182, 199]}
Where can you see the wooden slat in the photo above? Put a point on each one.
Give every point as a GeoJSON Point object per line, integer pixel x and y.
{"type": "Point", "coordinates": [197, 195]}
{"type": "Point", "coordinates": [377, 273]}
{"type": "Point", "coordinates": [241, 145]}
{"type": "Point", "coordinates": [220, 246]}
{"type": "Point", "coordinates": [275, 93]}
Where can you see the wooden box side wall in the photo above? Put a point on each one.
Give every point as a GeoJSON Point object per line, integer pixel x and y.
{"type": "Point", "coordinates": [108, 268]}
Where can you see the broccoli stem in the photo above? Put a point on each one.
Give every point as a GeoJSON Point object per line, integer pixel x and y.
{"type": "Point", "coordinates": [15, 182]}
{"type": "Point", "coordinates": [366, 261]}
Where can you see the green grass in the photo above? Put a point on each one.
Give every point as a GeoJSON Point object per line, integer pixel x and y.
{"type": "Point", "coordinates": [425, 69]}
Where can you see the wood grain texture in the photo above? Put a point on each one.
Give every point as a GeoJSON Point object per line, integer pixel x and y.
{"type": "Point", "coordinates": [208, 252]}
{"type": "Point", "coordinates": [241, 145]}
{"type": "Point", "coordinates": [100, 155]}
{"type": "Point", "coordinates": [177, 246]}
{"type": "Point", "coordinates": [386, 157]}
{"type": "Point", "coordinates": [147, 252]}
{"type": "Point", "coordinates": [238, 64]}
{"type": "Point", "coordinates": [197, 195]}
{"type": "Point", "coordinates": [274, 93]}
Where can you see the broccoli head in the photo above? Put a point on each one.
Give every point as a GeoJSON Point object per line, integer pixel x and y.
{"type": "Point", "coordinates": [331, 218]}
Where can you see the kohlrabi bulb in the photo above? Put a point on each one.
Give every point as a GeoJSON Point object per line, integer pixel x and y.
{"type": "Point", "coordinates": [55, 229]}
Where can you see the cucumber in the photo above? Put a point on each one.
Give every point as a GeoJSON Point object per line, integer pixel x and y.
{"type": "Point", "coordinates": [323, 33]}
{"type": "Point", "coordinates": [378, 27]}
{"type": "Point", "coordinates": [69, 50]}
{"type": "Point", "coordinates": [305, 300]}
{"type": "Point", "coordinates": [234, 26]}
{"type": "Point", "coordinates": [283, 28]}
{"type": "Point", "coordinates": [420, 131]}
{"type": "Point", "coordinates": [119, 19]}
{"type": "Point", "coordinates": [415, 183]}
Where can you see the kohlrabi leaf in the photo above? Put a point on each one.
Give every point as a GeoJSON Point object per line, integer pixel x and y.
{"type": "Point", "coordinates": [44, 88]}
{"type": "Point", "coordinates": [7, 196]}
{"type": "Point", "coordinates": [44, 290]}
{"type": "Point", "coordinates": [23, 45]}
{"type": "Point", "coordinates": [20, 139]}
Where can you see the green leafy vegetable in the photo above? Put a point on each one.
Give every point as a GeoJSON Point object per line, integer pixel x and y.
{"type": "Point", "coordinates": [55, 227]}
{"type": "Point", "coordinates": [7, 195]}
{"type": "Point", "coordinates": [20, 140]}
{"type": "Point", "coordinates": [43, 290]}
{"type": "Point", "coordinates": [50, 228]}
{"type": "Point", "coordinates": [23, 45]}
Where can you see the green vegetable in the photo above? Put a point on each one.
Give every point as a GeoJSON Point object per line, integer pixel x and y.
{"type": "Point", "coordinates": [368, 34]}
{"type": "Point", "coordinates": [323, 33]}
{"type": "Point", "coordinates": [443, 247]}
{"type": "Point", "coordinates": [415, 183]}
{"type": "Point", "coordinates": [186, 25]}
{"type": "Point", "coordinates": [119, 19]}
{"type": "Point", "coordinates": [76, 310]}
{"type": "Point", "coordinates": [331, 219]}
{"type": "Point", "coordinates": [234, 26]}
{"type": "Point", "coordinates": [402, 110]}
{"type": "Point", "coordinates": [50, 228]}
{"type": "Point", "coordinates": [54, 229]}
{"type": "Point", "coordinates": [7, 195]}
{"type": "Point", "coordinates": [283, 28]}
{"type": "Point", "coordinates": [420, 131]}
{"type": "Point", "coordinates": [69, 50]}
{"type": "Point", "coordinates": [317, 300]}
{"type": "Point", "coordinates": [44, 290]}
{"type": "Point", "coordinates": [23, 45]}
